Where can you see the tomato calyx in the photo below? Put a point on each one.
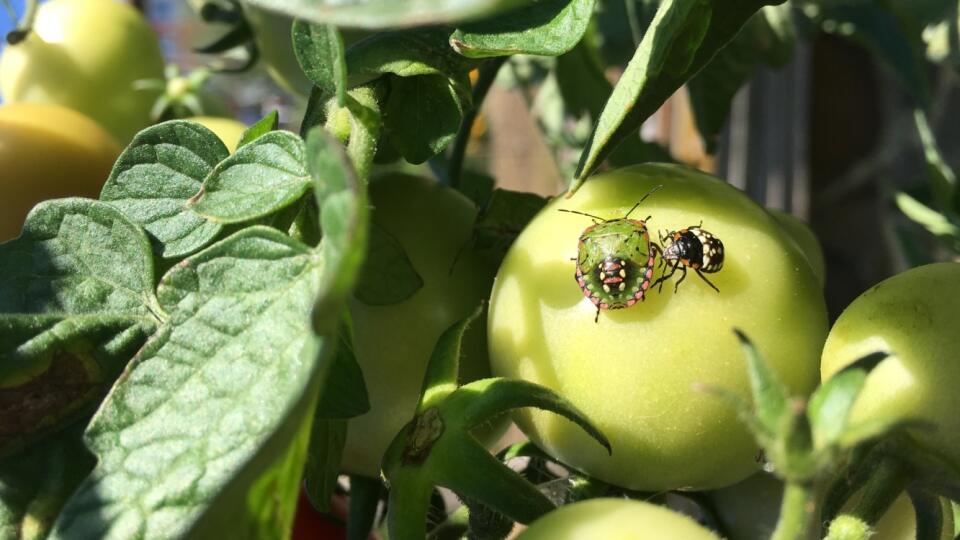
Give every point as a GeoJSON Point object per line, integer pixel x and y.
{"type": "Point", "coordinates": [807, 441]}
{"type": "Point", "coordinates": [436, 446]}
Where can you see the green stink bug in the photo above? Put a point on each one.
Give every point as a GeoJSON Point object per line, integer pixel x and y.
{"type": "Point", "coordinates": [615, 260]}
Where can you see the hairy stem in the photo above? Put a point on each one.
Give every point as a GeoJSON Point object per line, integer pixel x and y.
{"type": "Point", "coordinates": [797, 510]}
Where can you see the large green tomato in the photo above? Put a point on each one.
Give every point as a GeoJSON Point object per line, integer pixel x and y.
{"type": "Point", "coordinates": [393, 343]}
{"type": "Point", "coordinates": [806, 240]}
{"type": "Point", "coordinates": [633, 372]}
{"type": "Point", "coordinates": [48, 152]}
{"type": "Point", "coordinates": [749, 510]}
{"type": "Point", "coordinates": [615, 519]}
{"type": "Point", "coordinates": [914, 317]}
{"type": "Point", "coordinates": [87, 55]}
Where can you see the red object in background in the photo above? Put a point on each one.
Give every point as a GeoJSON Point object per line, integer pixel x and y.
{"type": "Point", "coordinates": [312, 525]}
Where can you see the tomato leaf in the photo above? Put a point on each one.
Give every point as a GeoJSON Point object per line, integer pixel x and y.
{"type": "Point", "coordinates": [767, 38]}
{"type": "Point", "coordinates": [34, 486]}
{"type": "Point", "coordinates": [261, 178]}
{"type": "Point", "coordinates": [408, 53]}
{"type": "Point", "coordinates": [319, 50]}
{"type": "Point", "coordinates": [76, 301]}
{"type": "Point", "coordinates": [265, 125]}
{"type": "Point", "coordinates": [943, 180]}
{"type": "Point", "coordinates": [208, 430]}
{"type": "Point", "coordinates": [421, 116]}
{"type": "Point", "coordinates": [388, 13]}
{"type": "Point", "coordinates": [209, 389]}
{"type": "Point", "coordinates": [936, 223]}
{"type": "Point", "coordinates": [683, 37]}
{"type": "Point", "coordinates": [548, 28]}
{"type": "Point", "coordinates": [504, 216]}
{"type": "Point", "coordinates": [388, 275]}
{"type": "Point", "coordinates": [152, 180]}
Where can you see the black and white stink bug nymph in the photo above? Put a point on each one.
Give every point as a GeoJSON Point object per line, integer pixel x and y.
{"type": "Point", "coordinates": [694, 248]}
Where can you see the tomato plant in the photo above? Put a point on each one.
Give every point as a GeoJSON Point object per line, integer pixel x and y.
{"type": "Point", "coordinates": [29, 134]}
{"type": "Point", "coordinates": [631, 371]}
{"type": "Point", "coordinates": [87, 55]}
{"type": "Point", "coordinates": [247, 314]}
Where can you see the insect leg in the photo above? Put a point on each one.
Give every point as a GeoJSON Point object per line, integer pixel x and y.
{"type": "Point", "coordinates": [683, 276]}
{"type": "Point", "coordinates": [596, 318]}
{"type": "Point", "coordinates": [703, 277]}
{"type": "Point", "coordinates": [665, 276]}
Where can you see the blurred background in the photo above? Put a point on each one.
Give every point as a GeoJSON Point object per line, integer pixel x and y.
{"type": "Point", "coordinates": [823, 120]}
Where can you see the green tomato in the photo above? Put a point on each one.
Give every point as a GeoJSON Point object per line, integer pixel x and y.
{"type": "Point", "coordinates": [86, 55]}
{"type": "Point", "coordinates": [806, 240]}
{"type": "Point", "coordinates": [633, 372]}
{"type": "Point", "coordinates": [913, 316]}
{"type": "Point", "coordinates": [393, 343]}
{"type": "Point", "coordinates": [749, 510]}
{"type": "Point", "coordinates": [615, 519]}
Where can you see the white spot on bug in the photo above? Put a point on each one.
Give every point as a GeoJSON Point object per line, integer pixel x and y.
{"type": "Point", "coordinates": [706, 260]}
{"type": "Point", "coordinates": [622, 286]}
{"type": "Point", "coordinates": [606, 288]}
{"type": "Point", "coordinates": [623, 273]}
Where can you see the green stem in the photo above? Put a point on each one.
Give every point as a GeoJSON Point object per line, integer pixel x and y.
{"type": "Point", "coordinates": [488, 73]}
{"type": "Point", "coordinates": [796, 512]}
{"type": "Point", "coordinates": [25, 26]}
{"type": "Point", "coordinates": [633, 18]}
{"type": "Point", "coordinates": [886, 483]}
{"type": "Point", "coordinates": [364, 496]}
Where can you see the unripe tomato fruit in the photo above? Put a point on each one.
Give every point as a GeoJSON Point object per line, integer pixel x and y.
{"type": "Point", "coordinates": [48, 152]}
{"type": "Point", "coordinates": [806, 240]}
{"type": "Point", "coordinates": [615, 519]}
{"type": "Point", "coordinates": [86, 55]}
{"type": "Point", "coordinates": [393, 343]}
{"type": "Point", "coordinates": [227, 129]}
{"type": "Point", "coordinates": [271, 32]}
{"type": "Point", "coordinates": [914, 317]}
{"type": "Point", "coordinates": [633, 372]}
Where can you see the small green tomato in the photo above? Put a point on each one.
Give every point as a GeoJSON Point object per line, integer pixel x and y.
{"type": "Point", "coordinates": [615, 519]}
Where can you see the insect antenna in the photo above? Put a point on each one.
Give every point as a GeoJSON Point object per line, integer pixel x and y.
{"type": "Point", "coordinates": [649, 193]}
{"type": "Point", "coordinates": [581, 213]}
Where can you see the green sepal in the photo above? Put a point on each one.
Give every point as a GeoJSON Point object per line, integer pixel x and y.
{"type": "Point", "coordinates": [436, 448]}
{"type": "Point", "coordinates": [482, 401]}
{"type": "Point", "coordinates": [270, 122]}
{"type": "Point", "coordinates": [928, 513]}
{"type": "Point", "coordinates": [769, 394]}
{"type": "Point", "coordinates": [832, 401]}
